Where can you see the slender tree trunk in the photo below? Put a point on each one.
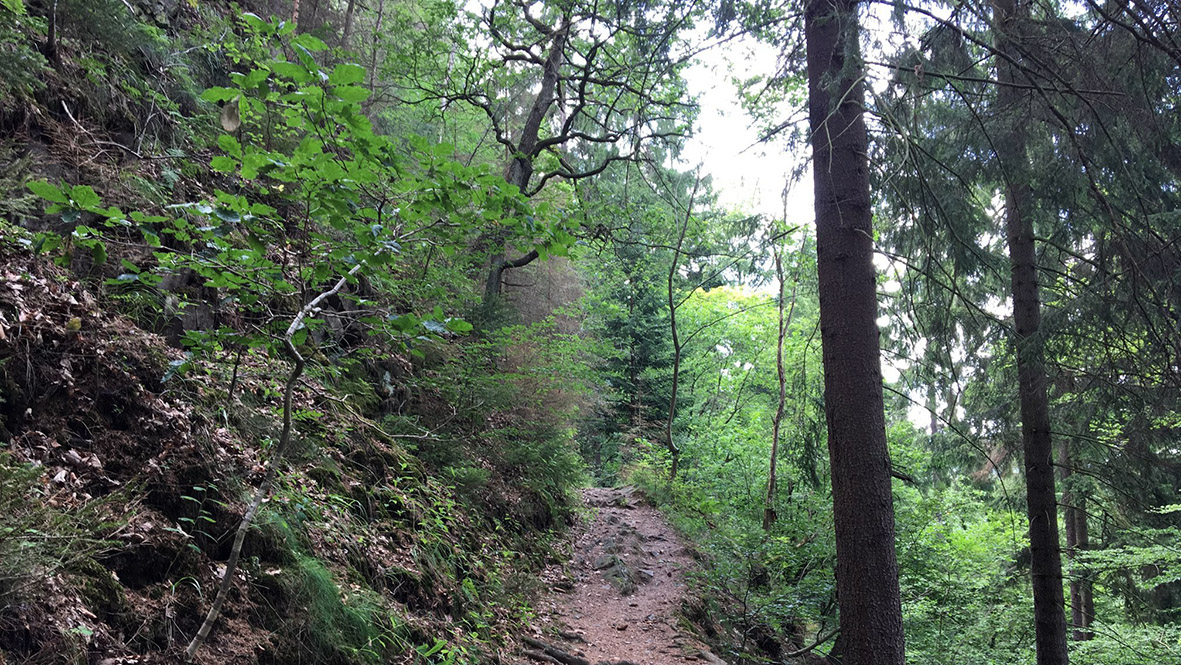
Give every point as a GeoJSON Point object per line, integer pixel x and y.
{"type": "Point", "coordinates": [374, 52]}
{"type": "Point", "coordinates": [633, 363]}
{"type": "Point", "coordinates": [673, 449]}
{"type": "Point", "coordinates": [1045, 555]}
{"type": "Point", "coordinates": [1087, 583]}
{"type": "Point", "coordinates": [347, 30]}
{"type": "Point", "coordinates": [769, 515]}
{"type": "Point", "coordinates": [863, 509]}
{"type": "Point", "coordinates": [277, 456]}
{"type": "Point", "coordinates": [1070, 520]}
{"type": "Point", "coordinates": [49, 48]}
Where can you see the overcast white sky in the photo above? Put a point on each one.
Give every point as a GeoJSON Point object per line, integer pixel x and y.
{"type": "Point", "coordinates": [749, 178]}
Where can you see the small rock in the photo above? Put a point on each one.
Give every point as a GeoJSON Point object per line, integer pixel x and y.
{"type": "Point", "coordinates": [606, 561]}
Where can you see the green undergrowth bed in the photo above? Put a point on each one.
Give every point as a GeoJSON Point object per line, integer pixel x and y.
{"type": "Point", "coordinates": [431, 470]}
{"type": "Point", "coordinates": [758, 595]}
{"type": "Point", "coordinates": [408, 534]}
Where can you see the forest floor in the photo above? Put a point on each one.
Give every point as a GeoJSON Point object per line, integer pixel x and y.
{"type": "Point", "coordinates": [616, 601]}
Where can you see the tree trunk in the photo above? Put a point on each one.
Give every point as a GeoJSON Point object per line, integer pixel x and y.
{"type": "Point", "coordinates": [49, 48]}
{"type": "Point", "coordinates": [1045, 556]}
{"type": "Point", "coordinates": [519, 170]}
{"type": "Point", "coordinates": [673, 450]}
{"type": "Point", "coordinates": [1070, 515]}
{"type": "Point", "coordinates": [863, 509]}
{"type": "Point", "coordinates": [347, 30]}
{"type": "Point", "coordinates": [769, 515]}
{"type": "Point", "coordinates": [1086, 582]}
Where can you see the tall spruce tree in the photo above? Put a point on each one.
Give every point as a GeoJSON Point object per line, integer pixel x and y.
{"type": "Point", "coordinates": [1045, 553]}
{"type": "Point", "coordinates": [867, 568]}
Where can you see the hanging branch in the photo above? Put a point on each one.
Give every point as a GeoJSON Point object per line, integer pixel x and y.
{"type": "Point", "coordinates": [264, 489]}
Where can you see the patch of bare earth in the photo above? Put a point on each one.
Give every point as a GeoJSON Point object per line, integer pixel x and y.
{"type": "Point", "coordinates": [616, 601]}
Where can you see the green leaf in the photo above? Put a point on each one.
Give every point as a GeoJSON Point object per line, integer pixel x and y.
{"type": "Point", "coordinates": [405, 323]}
{"type": "Point", "coordinates": [230, 145]}
{"type": "Point", "coordinates": [257, 23]}
{"type": "Point", "coordinates": [176, 367]}
{"type": "Point", "coordinates": [84, 197]}
{"type": "Point", "coordinates": [350, 93]}
{"type": "Point", "coordinates": [459, 326]}
{"type": "Point", "coordinates": [46, 242]}
{"type": "Point", "coordinates": [218, 94]}
{"type": "Point", "coordinates": [47, 191]}
{"type": "Point", "coordinates": [347, 74]}
{"type": "Point", "coordinates": [254, 78]}
{"type": "Point", "coordinates": [424, 650]}
{"type": "Point", "coordinates": [309, 42]}
{"type": "Point", "coordinates": [223, 164]}
{"type": "Point", "coordinates": [290, 70]}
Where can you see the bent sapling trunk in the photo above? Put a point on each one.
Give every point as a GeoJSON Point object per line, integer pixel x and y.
{"type": "Point", "coordinates": [674, 450]}
{"type": "Point", "coordinates": [769, 514]}
{"type": "Point", "coordinates": [264, 489]}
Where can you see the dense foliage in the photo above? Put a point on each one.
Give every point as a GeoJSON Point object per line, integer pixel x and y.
{"type": "Point", "coordinates": [473, 224]}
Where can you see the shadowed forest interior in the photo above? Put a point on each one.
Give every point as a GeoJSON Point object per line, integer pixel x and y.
{"type": "Point", "coordinates": [318, 319]}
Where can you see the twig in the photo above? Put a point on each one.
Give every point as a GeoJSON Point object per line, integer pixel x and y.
{"type": "Point", "coordinates": [264, 489]}
{"type": "Point", "coordinates": [820, 639]}
{"type": "Point", "coordinates": [555, 653]}
{"type": "Point", "coordinates": [77, 124]}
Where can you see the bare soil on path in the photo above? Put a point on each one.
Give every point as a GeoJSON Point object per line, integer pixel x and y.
{"type": "Point", "coordinates": [617, 601]}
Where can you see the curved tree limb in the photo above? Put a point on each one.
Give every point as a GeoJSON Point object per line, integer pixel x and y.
{"type": "Point", "coordinates": [264, 489]}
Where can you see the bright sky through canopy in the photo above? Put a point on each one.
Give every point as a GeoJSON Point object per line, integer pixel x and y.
{"type": "Point", "coordinates": [749, 176]}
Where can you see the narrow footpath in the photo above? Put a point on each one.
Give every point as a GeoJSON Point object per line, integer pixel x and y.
{"type": "Point", "coordinates": [616, 601]}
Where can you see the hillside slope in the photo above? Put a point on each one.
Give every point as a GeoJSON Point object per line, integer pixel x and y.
{"type": "Point", "coordinates": [430, 467]}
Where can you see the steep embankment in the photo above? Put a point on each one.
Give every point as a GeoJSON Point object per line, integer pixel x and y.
{"type": "Point", "coordinates": [121, 484]}
{"type": "Point", "coordinates": [617, 600]}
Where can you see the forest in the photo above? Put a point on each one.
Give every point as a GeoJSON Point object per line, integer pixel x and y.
{"type": "Point", "coordinates": [319, 317]}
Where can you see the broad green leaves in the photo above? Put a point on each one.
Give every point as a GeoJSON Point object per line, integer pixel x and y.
{"type": "Point", "coordinates": [313, 191]}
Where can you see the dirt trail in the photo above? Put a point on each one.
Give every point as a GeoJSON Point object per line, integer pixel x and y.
{"type": "Point", "coordinates": [617, 600]}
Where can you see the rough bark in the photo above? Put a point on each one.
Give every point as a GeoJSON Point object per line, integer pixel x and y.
{"type": "Point", "coordinates": [519, 170]}
{"type": "Point", "coordinates": [1045, 555]}
{"type": "Point", "coordinates": [863, 510]}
